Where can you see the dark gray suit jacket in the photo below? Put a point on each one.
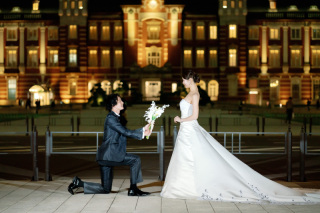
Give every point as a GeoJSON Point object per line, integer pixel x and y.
{"type": "Point", "coordinates": [114, 145]}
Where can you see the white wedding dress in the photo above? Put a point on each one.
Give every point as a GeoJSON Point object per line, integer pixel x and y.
{"type": "Point", "coordinates": [201, 168]}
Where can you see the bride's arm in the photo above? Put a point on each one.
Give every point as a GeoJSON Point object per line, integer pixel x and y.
{"type": "Point", "coordinates": [195, 110]}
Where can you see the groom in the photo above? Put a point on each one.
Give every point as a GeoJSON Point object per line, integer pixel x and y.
{"type": "Point", "coordinates": [112, 152]}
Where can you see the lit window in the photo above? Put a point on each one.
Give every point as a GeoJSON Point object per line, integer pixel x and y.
{"type": "Point", "coordinates": [174, 87]}
{"type": "Point", "coordinates": [213, 32]}
{"type": "Point", "coordinates": [53, 34]}
{"type": "Point", "coordinates": [32, 58]}
{"type": "Point", "coordinates": [118, 58]}
{"type": "Point", "coordinates": [232, 31]}
{"type": "Point", "coordinates": [32, 34]}
{"type": "Point", "coordinates": [72, 87]}
{"type": "Point", "coordinates": [153, 32]}
{"type": "Point", "coordinates": [253, 33]}
{"type": "Point", "coordinates": [187, 62]}
{"type": "Point", "coordinates": [187, 32]}
{"type": "Point", "coordinates": [232, 57]}
{"type": "Point", "coordinates": [117, 32]}
{"type": "Point", "coordinates": [295, 33]}
{"type": "Point", "coordinates": [93, 33]}
{"type": "Point", "coordinates": [53, 58]}
{"type": "Point", "coordinates": [213, 90]}
{"type": "Point", "coordinates": [295, 88]}
{"type": "Point", "coordinates": [232, 4]}
{"type": "Point", "coordinates": [12, 34]}
{"type": "Point", "coordinates": [200, 32]}
{"type": "Point", "coordinates": [316, 57]}
{"type": "Point", "coordinates": [12, 88]}
{"type": "Point", "coordinates": [200, 58]}
{"type": "Point", "coordinates": [72, 5]}
{"type": "Point", "coordinates": [213, 61]}
{"type": "Point", "coordinates": [316, 88]}
{"type": "Point", "coordinates": [73, 31]}
{"type": "Point", "coordinates": [316, 33]}
{"type": "Point", "coordinates": [117, 84]}
{"type": "Point", "coordinates": [73, 58]}
{"type": "Point", "coordinates": [65, 5]}
{"type": "Point", "coordinates": [105, 33]}
{"type": "Point", "coordinates": [105, 58]}
{"type": "Point", "coordinates": [35, 6]}
{"type": "Point", "coordinates": [202, 85]}
{"type": "Point", "coordinates": [153, 56]}
{"type": "Point", "coordinates": [253, 58]}
{"type": "Point", "coordinates": [273, 5]}
{"type": "Point", "coordinates": [80, 4]}
{"type": "Point", "coordinates": [274, 89]}
{"type": "Point", "coordinates": [106, 86]}
{"type": "Point", "coordinates": [240, 4]}
{"type": "Point", "coordinates": [12, 58]}
{"type": "Point", "coordinates": [295, 58]}
{"type": "Point", "coordinates": [224, 4]}
{"type": "Point", "coordinates": [274, 33]}
{"type": "Point", "coordinates": [93, 60]}
{"type": "Point", "coordinates": [274, 58]}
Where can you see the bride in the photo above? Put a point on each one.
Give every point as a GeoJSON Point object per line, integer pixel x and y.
{"type": "Point", "coordinates": [201, 168]}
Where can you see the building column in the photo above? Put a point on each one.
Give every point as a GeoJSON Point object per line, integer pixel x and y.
{"type": "Point", "coordinates": [131, 26]}
{"type": "Point", "coordinates": [285, 67]}
{"type": "Point", "coordinates": [22, 67]}
{"type": "Point", "coordinates": [1, 50]}
{"type": "Point", "coordinates": [174, 27]}
{"type": "Point", "coordinates": [264, 65]}
{"type": "Point", "coordinates": [306, 66]}
{"type": "Point", "coordinates": [42, 66]}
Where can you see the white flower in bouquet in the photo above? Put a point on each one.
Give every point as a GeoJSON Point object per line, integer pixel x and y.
{"type": "Point", "coordinates": [153, 113]}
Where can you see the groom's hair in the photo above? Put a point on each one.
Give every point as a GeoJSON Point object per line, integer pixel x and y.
{"type": "Point", "coordinates": [112, 100]}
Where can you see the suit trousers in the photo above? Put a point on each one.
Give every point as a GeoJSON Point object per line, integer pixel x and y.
{"type": "Point", "coordinates": [106, 173]}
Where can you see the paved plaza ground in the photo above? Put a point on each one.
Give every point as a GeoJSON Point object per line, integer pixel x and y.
{"type": "Point", "coordinates": [19, 194]}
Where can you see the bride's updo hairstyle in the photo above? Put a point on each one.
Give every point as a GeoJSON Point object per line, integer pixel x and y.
{"type": "Point", "coordinates": [190, 74]}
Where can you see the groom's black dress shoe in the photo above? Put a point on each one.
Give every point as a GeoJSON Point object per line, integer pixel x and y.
{"type": "Point", "coordinates": [137, 192]}
{"type": "Point", "coordinates": [73, 185]}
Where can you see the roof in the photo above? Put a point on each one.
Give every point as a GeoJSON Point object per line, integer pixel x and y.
{"type": "Point", "coordinates": [282, 5]}
{"type": "Point", "coordinates": [26, 6]}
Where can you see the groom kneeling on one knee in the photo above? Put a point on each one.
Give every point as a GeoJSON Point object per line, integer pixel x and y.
{"type": "Point", "coordinates": [112, 152]}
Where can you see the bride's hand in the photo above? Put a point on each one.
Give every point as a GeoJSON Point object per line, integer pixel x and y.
{"type": "Point", "coordinates": [177, 119]}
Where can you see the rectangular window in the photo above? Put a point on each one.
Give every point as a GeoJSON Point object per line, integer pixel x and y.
{"type": "Point", "coordinates": [200, 32]}
{"type": "Point", "coordinates": [253, 33]}
{"type": "Point", "coordinates": [154, 57]}
{"type": "Point", "coordinates": [240, 3]}
{"type": "Point", "coordinates": [53, 58]}
{"type": "Point", "coordinates": [72, 4]}
{"type": "Point", "coordinates": [93, 60]}
{"type": "Point", "coordinates": [12, 34]}
{"type": "Point", "coordinates": [224, 4]}
{"type": "Point", "coordinates": [253, 83]}
{"type": "Point", "coordinates": [72, 87]}
{"type": "Point", "coordinates": [213, 32]}
{"type": "Point", "coordinates": [213, 59]}
{"type": "Point", "coordinates": [274, 89]}
{"type": "Point", "coordinates": [274, 33]}
{"type": "Point", "coordinates": [174, 87]}
{"type": "Point", "coordinates": [12, 87]}
{"type": "Point", "coordinates": [200, 58]}
{"type": "Point", "coordinates": [153, 32]}
{"type": "Point", "coordinates": [35, 6]}
{"type": "Point", "coordinates": [274, 60]}
{"type": "Point", "coordinates": [32, 34]}
{"type": "Point", "coordinates": [73, 62]}
{"type": "Point", "coordinates": [295, 33]}
{"type": "Point", "coordinates": [232, 4]}
{"type": "Point", "coordinates": [73, 32]}
{"type": "Point", "coordinates": [273, 5]}
{"type": "Point", "coordinates": [295, 58]}
{"type": "Point", "coordinates": [117, 32]}
{"type": "Point", "coordinates": [65, 5]}
{"type": "Point", "coordinates": [316, 89]}
{"type": "Point", "coordinates": [80, 4]}
{"type": "Point", "coordinates": [32, 58]}
{"type": "Point", "coordinates": [118, 58]}
{"type": "Point", "coordinates": [12, 58]}
{"type": "Point", "coordinates": [232, 57]}
{"type": "Point", "coordinates": [187, 32]}
{"type": "Point", "coordinates": [93, 33]}
{"type": "Point", "coordinates": [315, 57]}
{"type": "Point", "coordinates": [253, 58]}
{"type": "Point", "coordinates": [105, 58]}
{"type": "Point", "coordinates": [53, 34]}
{"type": "Point", "coordinates": [105, 33]}
{"type": "Point", "coordinates": [316, 33]}
{"type": "Point", "coordinates": [187, 58]}
{"type": "Point", "coordinates": [296, 91]}
{"type": "Point", "coordinates": [232, 31]}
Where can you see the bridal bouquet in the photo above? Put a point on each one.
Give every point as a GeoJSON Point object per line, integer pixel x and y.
{"type": "Point", "coordinates": [153, 113]}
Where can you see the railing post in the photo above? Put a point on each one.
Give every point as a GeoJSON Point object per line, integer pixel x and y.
{"type": "Point", "coordinates": [175, 133]}
{"type": "Point", "coordinates": [78, 125]}
{"type": "Point", "coordinates": [164, 123]}
{"type": "Point", "coordinates": [210, 123]}
{"type": "Point", "coordinates": [169, 126]}
{"type": "Point", "coordinates": [48, 153]}
{"type": "Point", "coordinates": [310, 126]}
{"type": "Point", "coordinates": [72, 125]}
{"type": "Point", "coordinates": [27, 124]}
{"type": "Point", "coordinates": [302, 154]}
{"type": "Point", "coordinates": [32, 123]}
{"type": "Point", "coordinates": [289, 154]}
{"type": "Point", "coordinates": [217, 121]}
{"type": "Point", "coordinates": [305, 124]}
{"type": "Point", "coordinates": [162, 136]}
{"type": "Point", "coordinates": [263, 124]}
{"type": "Point", "coordinates": [258, 125]}
{"type": "Point", "coordinates": [35, 154]}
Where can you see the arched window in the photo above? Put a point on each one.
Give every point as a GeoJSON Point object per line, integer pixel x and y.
{"type": "Point", "coordinates": [202, 85]}
{"type": "Point", "coordinates": [213, 90]}
{"type": "Point", "coordinates": [106, 86]}
{"type": "Point", "coordinates": [117, 84]}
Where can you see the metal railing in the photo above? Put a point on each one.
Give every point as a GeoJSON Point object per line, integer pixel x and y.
{"type": "Point", "coordinates": [33, 149]}
{"type": "Point", "coordinates": [287, 145]}
{"type": "Point", "coordinates": [49, 149]}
